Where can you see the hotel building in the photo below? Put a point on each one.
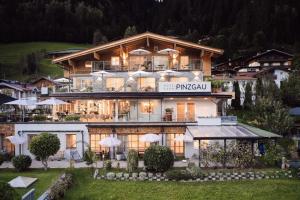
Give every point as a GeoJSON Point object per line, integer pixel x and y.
{"type": "Point", "coordinates": [147, 83]}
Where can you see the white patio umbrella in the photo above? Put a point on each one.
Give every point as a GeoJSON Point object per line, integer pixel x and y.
{"type": "Point", "coordinates": [170, 73]}
{"type": "Point", "coordinates": [150, 137]}
{"type": "Point", "coordinates": [62, 80]}
{"type": "Point", "coordinates": [17, 140]}
{"type": "Point", "coordinates": [22, 102]}
{"type": "Point", "coordinates": [110, 142]}
{"type": "Point", "coordinates": [168, 51]}
{"type": "Point", "coordinates": [140, 73]}
{"type": "Point", "coordinates": [184, 138]}
{"type": "Point", "coordinates": [52, 101]}
{"type": "Point", "coordinates": [140, 52]}
{"type": "Point", "coordinates": [101, 74]}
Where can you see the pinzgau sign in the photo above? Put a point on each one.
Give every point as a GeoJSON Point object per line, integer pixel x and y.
{"type": "Point", "coordinates": [184, 87]}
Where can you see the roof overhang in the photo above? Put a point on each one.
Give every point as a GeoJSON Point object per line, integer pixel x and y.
{"type": "Point", "coordinates": [133, 39]}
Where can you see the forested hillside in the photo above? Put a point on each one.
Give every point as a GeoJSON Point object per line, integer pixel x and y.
{"type": "Point", "coordinates": [235, 25]}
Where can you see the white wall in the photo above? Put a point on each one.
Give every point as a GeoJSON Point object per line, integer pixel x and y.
{"type": "Point", "coordinates": [60, 129]}
{"type": "Point", "coordinates": [280, 76]}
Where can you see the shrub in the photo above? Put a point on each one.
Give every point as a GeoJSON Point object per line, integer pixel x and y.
{"type": "Point", "coordinates": [89, 156]}
{"type": "Point", "coordinates": [158, 158]}
{"type": "Point", "coordinates": [72, 118]}
{"type": "Point", "coordinates": [178, 174]}
{"type": "Point", "coordinates": [108, 165]}
{"type": "Point", "coordinates": [272, 156]}
{"type": "Point", "coordinates": [132, 160]}
{"type": "Point", "coordinates": [7, 192]}
{"type": "Point", "coordinates": [40, 118]}
{"type": "Point", "coordinates": [43, 146]}
{"type": "Point", "coordinates": [195, 171]}
{"type": "Point", "coordinates": [59, 188]}
{"type": "Point", "coordinates": [21, 162]}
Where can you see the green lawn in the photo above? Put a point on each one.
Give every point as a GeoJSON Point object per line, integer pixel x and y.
{"type": "Point", "coordinates": [11, 53]}
{"type": "Point", "coordinates": [44, 179]}
{"type": "Point", "coordinates": [89, 189]}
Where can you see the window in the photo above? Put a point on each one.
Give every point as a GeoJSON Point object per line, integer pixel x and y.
{"type": "Point", "coordinates": [115, 84]}
{"type": "Point", "coordinates": [184, 62]}
{"type": "Point", "coordinates": [147, 107]}
{"type": "Point", "coordinates": [115, 61]}
{"type": "Point", "coordinates": [135, 143]}
{"type": "Point", "coordinates": [71, 141]}
{"type": "Point", "coordinates": [176, 146]}
{"type": "Point", "coordinates": [136, 61]}
{"type": "Point", "coordinates": [146, 84]}
{"type": "Point", "coordinates": [94, 142]}
{"type": "Point", "coordinates": [179, 79]}
{"type": "Point", "coordinates": [161, 62]}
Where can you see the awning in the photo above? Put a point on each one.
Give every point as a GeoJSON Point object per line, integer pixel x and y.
{"type": "Point", "coordinates": [228, 132]}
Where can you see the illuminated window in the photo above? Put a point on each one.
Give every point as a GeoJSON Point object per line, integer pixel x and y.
{"type": "Point", "coordinates": [115, 61]}
{"type": "Point", "coordinates": [94, 142]}
{"type": "Point", "coordinates": [179, 79]}
{"type": "Point", "coordinates": [184, 62]}
{"type": "Point", "coordinates": [135, 143]}
{"type": "Point", "coordinates": [137, 61]}
{"type": "Point", "coordinates": [147, 107]}
{"type": "Point", "coordinates": [146, 83]}
{"type": "Point", "coordinates": [71, 141]}
{"type": "Point", "coordinates": [115, 84]}
{"type": "Point", "coordinates": [176, 146]}
{"type": "Point", "coordinates": [161, 62]}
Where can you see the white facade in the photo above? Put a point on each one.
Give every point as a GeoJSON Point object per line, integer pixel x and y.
{"type": "Point", "coordinates": [61, 130]}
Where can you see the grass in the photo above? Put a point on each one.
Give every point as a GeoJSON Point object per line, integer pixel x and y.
{"type": "Point", "coordinates": [11, 53]}
{"type": "Point", "coordinates": [88, 188]}
{"type": "Point", "coordinates": [44, 179]}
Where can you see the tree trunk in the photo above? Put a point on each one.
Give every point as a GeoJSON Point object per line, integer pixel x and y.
{"type": "Point", "coordinates": [45, 163]}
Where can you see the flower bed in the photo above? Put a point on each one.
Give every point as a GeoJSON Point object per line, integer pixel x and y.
{"type": "Point", "coordinates": [212, 176]}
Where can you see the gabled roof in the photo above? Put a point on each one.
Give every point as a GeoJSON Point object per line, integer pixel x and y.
{"type": "Point", "coordinates": [135, 38]}
{"type": "Point", "coordinates": [45, 78]}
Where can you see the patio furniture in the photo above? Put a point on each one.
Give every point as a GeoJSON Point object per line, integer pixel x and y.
{"type": "Point", "coordinates": [75, 156]}
{"type": "Point", "coordinates": [60, 155]}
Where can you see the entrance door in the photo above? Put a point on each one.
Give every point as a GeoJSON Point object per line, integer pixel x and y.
{"type": "Point", "coordinates": [190, 111]}
{"type": "Point", "coordinates": [180, 111]}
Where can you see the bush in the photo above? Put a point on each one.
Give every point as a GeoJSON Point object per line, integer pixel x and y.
{"type": "Point", "coordinates": [59, 188]}
{"type": "Point", "coordinates": [132, 160]}
{"type": "Point", "coordinates": [195, 171]}
{"type": "Point", "coordinates": [178, 174]}
{"type": "Point", "coordinates": [40, 118]}
{"type": "Point", "coordinates": [72, 118]}
{"type": "Point", "coordinates": [7, 192]}
{"type": "Point", "coordinates": [21, 162]}
{"type": "Point", "coordinates": [272, 156]}
{"type": "Point", "coordinates": [158, 158]}
{"type": "Point", "coordinates": [108, 165]}
{"type": "Point", "coordinates": [43, 146]}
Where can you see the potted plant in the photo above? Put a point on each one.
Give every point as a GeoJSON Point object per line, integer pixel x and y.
{"type": "Point", "coordinates": [168, 114]}
{"type": "Point", "coordinates": [119, 155]}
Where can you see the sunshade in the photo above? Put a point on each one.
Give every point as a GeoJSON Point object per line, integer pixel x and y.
{"type": "Point", "coordinates": [22, 102]}
{"type": "Point", "coordinates": [52, 101]}
{"type": "Point", "coordinates": [139, 52]}
{"type": "Point", "coordinates": [62, 80]}
{"type": "Point", "coordinates": [16, 139]}
{"type": "Point", "coordinates": [184, 138]}
{"type": "Point", "coordinates": [110, 142]}
{"type": "Point", "coordinates": [141, 73]}
{"type": "Point", "coordinates": [4, 99]}
{"type": "Point", "coordinates": [22, 182]}
{"type": "Point", "coordinates": [150, 137]}
{"type": "Point", "coordinates": [101, 74]}
{"type": "Point", "coordinates": [168, 51]}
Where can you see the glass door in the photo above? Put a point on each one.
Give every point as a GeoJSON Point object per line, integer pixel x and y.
{"type": "Point", "coordinates": [190, 111]}
{"type": "Point", "coordinates": [180, 111]}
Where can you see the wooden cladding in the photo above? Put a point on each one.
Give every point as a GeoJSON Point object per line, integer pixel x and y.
{"type": "Point", "coordinates": [138, 130]}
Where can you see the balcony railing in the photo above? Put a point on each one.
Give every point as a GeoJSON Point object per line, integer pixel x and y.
{"type": "Point", "coordinates": [220, 120]}
{"type": "Point", "coordinates": [194, 64]}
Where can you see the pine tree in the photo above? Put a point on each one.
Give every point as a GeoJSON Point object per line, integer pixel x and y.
{"type": "Point", "coordinates": [130, 31]}
{"type": "Point", "coordinates": [236, 102]}
{"type": "Point", "coordinates": [248, 97]}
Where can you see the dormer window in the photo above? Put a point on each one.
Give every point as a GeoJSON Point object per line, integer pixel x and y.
{"type": "Point", "coordinates": [115, 61]}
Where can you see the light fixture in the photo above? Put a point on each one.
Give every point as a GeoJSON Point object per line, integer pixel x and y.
{"type": "Point", "coordinates": [189, 98]}
{"type": "Point", "coordinates": [171, 98]}
{"type": "Point", "coordinates": [205, 98]}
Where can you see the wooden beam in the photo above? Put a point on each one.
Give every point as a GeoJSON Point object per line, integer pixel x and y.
{"type": "Point", "coordinates": [148, 43]}
{"type": "Point", "coordinates": [72, 64]}
{"type": "Point", "coordinates": [96, 56]}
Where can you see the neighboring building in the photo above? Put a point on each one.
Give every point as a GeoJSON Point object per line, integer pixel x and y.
{"type": "Point", "coordinates": [46, 85]}
{"type": "Point", "coordinates": [126, 88]}
{"type": "Point", "coordinates": [274, 63]}
{"type": "Point", "coordinates": [18, 90]}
